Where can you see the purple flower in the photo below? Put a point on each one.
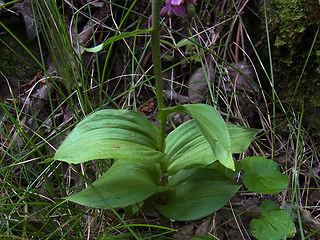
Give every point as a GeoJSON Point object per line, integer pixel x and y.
{"type": "Point", "coordinates": [176, 7]}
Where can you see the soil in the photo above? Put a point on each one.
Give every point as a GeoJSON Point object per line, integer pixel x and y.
{"type": "Point", "coordinates": [23, 83]}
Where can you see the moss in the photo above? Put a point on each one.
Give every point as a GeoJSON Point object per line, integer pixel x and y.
{"type": "Point", "coordinates": [15, 61]}
{"type": "Point", "coordinates": [294, 24]}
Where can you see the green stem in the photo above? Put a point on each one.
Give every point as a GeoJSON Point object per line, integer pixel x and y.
{"type": "Point", "coordinates": [162, 116]}
{"type": "Point", "coordinates": [155, 46]}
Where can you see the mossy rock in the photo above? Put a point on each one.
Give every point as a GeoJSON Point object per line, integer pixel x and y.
{"type": "Point", "coordinates": [294, 25]}
{"type": "Point", "coordinates": [15, 61]}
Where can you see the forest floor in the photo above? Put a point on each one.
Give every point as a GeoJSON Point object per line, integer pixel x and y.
{"type": "Point", "coordinates": [49, 83]}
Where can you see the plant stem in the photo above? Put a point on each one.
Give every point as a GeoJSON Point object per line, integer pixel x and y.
{"type": "Point", "coordinates": [155, 46]}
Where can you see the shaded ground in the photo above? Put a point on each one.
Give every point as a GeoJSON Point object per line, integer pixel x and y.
{"type": "Point", "coordinates": [44, 96]}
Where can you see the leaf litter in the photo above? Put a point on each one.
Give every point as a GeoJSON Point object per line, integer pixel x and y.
{"type": "Point", "coordinates": [42, 102]}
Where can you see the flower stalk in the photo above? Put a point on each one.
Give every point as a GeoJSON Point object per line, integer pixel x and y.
{"type": "Point", "coordinates": [156, 58]}
{"type": "Point", "coordinates": [157, 71]}
{"type": "Point", "coordinates": [155, 46]}
{"type": "Point", "coordinates": [172, 7]}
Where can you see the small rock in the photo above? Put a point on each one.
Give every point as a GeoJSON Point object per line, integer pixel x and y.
{"type": "Point", "coordinates": [198, 85]}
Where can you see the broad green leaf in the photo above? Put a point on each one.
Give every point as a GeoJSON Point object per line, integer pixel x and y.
{"type": "Point", "coordinates": [227, 171]}
{"type": "Point", "coordinates": [274, 223]}
{"type": "Point", "coordinates": [116, 38]}
{"type": "Point", "coordinates": [111, 133]}
{"type": "Point", "coordinates": [197, 193]}
{"type": "Point", "coordinates": [125, 183]}
{"type": "Point", "coordinates": [268, 206]}
{"type": "Point", "coordinates": [186, 147]}
{"type": "Point", "coordinates": [240, 137]}
{"type": "Point", "coordinates": [212, 127]}
{"type": "Point", "coordinates": [262, 175]}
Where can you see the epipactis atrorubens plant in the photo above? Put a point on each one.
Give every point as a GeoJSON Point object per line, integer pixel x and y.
{"type": "Point", "coordinates": [191, 168]}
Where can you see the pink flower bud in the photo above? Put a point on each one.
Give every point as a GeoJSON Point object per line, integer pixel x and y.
{"type": "Point", "coordinates": [176, 7]}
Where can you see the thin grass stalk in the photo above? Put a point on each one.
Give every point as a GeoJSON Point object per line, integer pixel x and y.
{"type": "Point", "coordinates": [306, 62]}
{"type": "Point", "coordinates": [104, 71]}
{"type": "Point", "coordinates": [272, 81]}
{"type": "Point", "coordinates": [55, 34]}
{"type": "Point", "coordinates": [43, 61]}
{"type": "Point", "coordinates": [297, 167]}
{"type": "Point", "coordinates": [133, 92]}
